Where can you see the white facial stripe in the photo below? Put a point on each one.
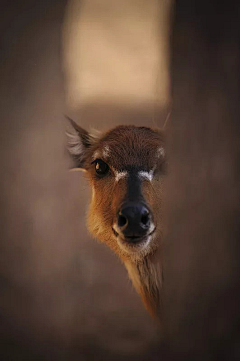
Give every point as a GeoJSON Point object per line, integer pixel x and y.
{"type": "Point", "coordinates": [119, 175]}
{"type": "Point", "coordinates": [96, 155]}
{"type": "Point", "coordinates": [146, 175]}
{"type": "Point", "coordinates": [106, 151]}
{"type": "Point", "coordinates": [104, 154]}
{"type": "Point", "coordinates": [160, 152]}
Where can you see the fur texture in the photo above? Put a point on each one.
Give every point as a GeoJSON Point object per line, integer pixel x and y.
{"type": "Point", "coordinates": [136, 172]}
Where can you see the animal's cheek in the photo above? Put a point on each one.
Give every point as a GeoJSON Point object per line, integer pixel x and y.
{"type": "Point", "coordinates": [153, 197]}
{"type": "Point", "coordinates": [102, 190]}
{"type": "Point", "coordinates": [100, 226]}
{"type": "Point", "coordinates": [100, 220]}
{"type": "Point", "coordinates": [149, 192]}
{"type": "Point", "coordinates": [102, 194]}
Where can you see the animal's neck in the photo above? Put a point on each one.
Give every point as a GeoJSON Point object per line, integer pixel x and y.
{"type": "Point", "coordinates": [146, 276]}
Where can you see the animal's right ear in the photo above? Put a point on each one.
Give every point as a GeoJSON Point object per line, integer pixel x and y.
{"type": "Point", "coordinates": [78, 143]}
{"type": "Point", "coordinates": [167, 122]}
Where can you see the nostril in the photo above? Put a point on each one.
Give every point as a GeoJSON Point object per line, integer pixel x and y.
{"type": "Point", "coordinates": [145, 219]}
{"type": "Point", "coordinates": [133, 220]}
{"type": "Point", "coordinates": [122, 221]}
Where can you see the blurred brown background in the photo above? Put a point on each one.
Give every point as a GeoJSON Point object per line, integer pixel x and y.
{"type": "Point", "coordinates": [63, 295]}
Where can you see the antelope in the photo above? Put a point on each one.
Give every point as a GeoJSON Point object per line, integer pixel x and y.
{"type": "Point", "coordinates": [126, 168]}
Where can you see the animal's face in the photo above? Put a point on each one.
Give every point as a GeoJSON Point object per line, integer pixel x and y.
{"type": "Point", "coordinates": [126, 168]}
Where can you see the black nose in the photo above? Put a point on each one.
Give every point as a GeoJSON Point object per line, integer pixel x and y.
{"type": "Point", "coordinates": [134, 221]}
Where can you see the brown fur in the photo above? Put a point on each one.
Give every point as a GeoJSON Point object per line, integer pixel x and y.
{"type": "Point", "coordinates": [126, 147]}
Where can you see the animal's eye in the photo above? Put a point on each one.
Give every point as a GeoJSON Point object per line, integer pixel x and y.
{"type": "Point", "coordinates": [101, 167]}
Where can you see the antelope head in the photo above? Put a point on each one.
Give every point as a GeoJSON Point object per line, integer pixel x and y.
{"type": "Point", "coordinates": [126, 169]}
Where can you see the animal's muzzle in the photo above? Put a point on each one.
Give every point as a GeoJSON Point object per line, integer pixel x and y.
{"type": "Point", "coordinates": [134, 221]}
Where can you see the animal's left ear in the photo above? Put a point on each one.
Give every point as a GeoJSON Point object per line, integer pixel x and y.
{"type": "Point", "coordinates": [79, 142]}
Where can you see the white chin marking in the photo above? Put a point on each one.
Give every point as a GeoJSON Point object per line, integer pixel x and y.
{"type": "Point", "coordinates": [146, 175]}
{"type": "Point", "coordinates": [134, 247]}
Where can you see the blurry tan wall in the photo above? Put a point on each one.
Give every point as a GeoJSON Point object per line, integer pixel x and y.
{"type": "Point", "coordinates": [117, 52]}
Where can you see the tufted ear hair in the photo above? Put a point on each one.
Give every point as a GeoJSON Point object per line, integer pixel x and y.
{"type": "Point", "coordinates": [78, 143]}
{"type": "Point", "coordinates": [166, 126]}
{"type": "Point", "coordinates": [167, 122]}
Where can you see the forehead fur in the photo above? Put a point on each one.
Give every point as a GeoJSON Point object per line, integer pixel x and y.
{"type": "Point", "coordinates": [130, 145]}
